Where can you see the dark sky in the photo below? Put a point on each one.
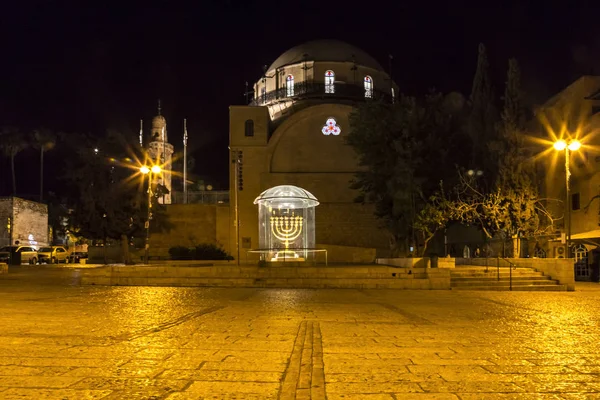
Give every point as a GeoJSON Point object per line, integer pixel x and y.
{"type": "Point", "coordinates": [75, 67]}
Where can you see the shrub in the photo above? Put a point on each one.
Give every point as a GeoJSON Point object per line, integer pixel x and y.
{"type": "Point", "coordinates": [200, 252]}
{"type": "Point", "coordinates": [211, 252]}
{"type": "Point", "coordinates": [181, 253]}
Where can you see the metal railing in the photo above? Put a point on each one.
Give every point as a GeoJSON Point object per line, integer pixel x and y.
{"type": "Point", "coordinates": [511, 266]}
{"type": "Point", "coordinates": [201, 197]}
{"type": "Point", "coordinates": [338, 90]}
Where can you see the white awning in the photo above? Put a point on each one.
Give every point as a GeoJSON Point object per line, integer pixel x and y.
{"type": "Point", "coordinates": [595, 234]}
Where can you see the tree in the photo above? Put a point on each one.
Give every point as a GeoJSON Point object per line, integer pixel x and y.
{"type": "Point", "coordinates": [403, 148]}
{"type": "Point", "coordinates": [515, 172]}
{"type": "Point", "coordinates": [505, 211]}
{"type": "Point", "coordinates": [108, 198]}
{"type": "Point", "coordinates": [44, 140]}
{"type": "Point", "coordinates": [483, 116]}
{"type": "Point", "coordinates": [510, 207]}
{"type": "Point", "coordinates": [509, 151]}
{"type": "Point", "coordinates": [12, 142]}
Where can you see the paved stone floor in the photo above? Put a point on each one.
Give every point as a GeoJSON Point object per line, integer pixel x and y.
{"type": "Point", "coordinates": [59, 340]}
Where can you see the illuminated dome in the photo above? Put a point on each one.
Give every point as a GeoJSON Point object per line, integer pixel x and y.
{"type": "Point", "coordinates": [326, 50]}
{"type": "Point", "coordinates": [287, 195]}
{"type": "Point", "coordinates": [159, 121]}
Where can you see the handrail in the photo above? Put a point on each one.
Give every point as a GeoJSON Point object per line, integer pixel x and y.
{"type": "Point", "coordinates": [510, 268]}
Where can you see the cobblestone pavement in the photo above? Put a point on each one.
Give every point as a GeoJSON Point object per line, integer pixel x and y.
{"type": "Point", "coordinates": [62, 341]}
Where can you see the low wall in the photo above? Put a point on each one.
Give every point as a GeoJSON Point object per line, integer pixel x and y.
{"type": "Point", "coordinates": [413, 262]}
{"type": "Point", "coordinates": [3, 268]}
{"type": "Point", "coordinates": [349, 254]}
{"type": "Point", "coordinates": [356, 277]}
{"type": "Point", "coordinates": [561, 269]}
{"type": "Point", "coordinates": [419, 262]}
{"type": "Point", "coordinates": [96, 254]}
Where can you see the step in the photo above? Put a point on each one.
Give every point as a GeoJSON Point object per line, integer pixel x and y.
{"type": "Point", "coordinates": [502, 278]}
{"type": "Point", "coordinates": [504, 283]}
{"type": "Point", "coordinates": [457, 269]}
{"type": "Point", "coordinates": [536, 288]}
{"type": "Point", "coordinates": [495, 276]}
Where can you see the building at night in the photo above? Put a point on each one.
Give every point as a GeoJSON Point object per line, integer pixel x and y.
{"type": "Point", "coordinates": [160, 152]}
{"type": "Point", "coordinates": [23, 222]}
{"type": "Point", "coordinates": [573, 113]}
{"type": "Point", "coordinates": [292, 133]}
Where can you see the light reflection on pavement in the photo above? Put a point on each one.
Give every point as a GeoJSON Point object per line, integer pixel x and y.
{"type": "Point", "coordinates": [59, 340]}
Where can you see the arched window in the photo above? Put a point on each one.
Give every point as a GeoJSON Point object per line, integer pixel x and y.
{"type": "Point", "coordinates": [368, 86]}
{"type": "Point", "coordinates": [329, 81]}
{"type": "Point", "coordinates": [249, 128]}
{"type": "Point", "coordinates": [289, 85]}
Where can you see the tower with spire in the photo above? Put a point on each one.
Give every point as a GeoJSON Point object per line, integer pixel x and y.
{"type": "Point", "coordinates": [160, 152]}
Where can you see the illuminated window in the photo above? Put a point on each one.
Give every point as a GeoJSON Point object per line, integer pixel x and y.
{"type": "Point", "coordinates": [368, 86]}
{"type": "Point", "coordinates": [329, 81]}
{"type": "Point", "coordinates": [289, 84]}
{"type": "Point", "coordinates": [249, 128]}
{"type": "Point", "coordinates": [331, 127]}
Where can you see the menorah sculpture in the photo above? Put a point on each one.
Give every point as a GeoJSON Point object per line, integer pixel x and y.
{"type": "Point", "coordinates": [286, 229]}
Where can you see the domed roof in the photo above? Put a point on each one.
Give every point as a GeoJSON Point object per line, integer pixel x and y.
{"type": "Point", "coordinates": [159, 119]}
{"type": "Point", "coordinates": [326, 50]}
{"type": "Point", "coordinates": [289, 195]}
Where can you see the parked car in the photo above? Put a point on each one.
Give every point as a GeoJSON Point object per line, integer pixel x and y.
{"type": "Point", "coordinates": [28, 254]}
{"type": "Point", "coordinates": [53, 255]}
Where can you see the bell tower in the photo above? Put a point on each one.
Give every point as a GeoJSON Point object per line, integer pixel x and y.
{"type": "Point", "coordinates": [160, 152]}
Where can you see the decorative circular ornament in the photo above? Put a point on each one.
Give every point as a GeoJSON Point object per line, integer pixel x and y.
{"type": "Point", "coordinates": [331, 127]}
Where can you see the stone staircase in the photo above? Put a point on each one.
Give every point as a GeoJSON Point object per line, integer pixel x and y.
{"type": "Point", "coordinates": [486, 278]}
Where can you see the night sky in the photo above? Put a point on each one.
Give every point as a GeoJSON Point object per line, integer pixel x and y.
{"type": "Point", "coordinates": [73, 67]}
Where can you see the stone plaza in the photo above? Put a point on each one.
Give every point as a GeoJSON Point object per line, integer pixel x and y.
{"type": "Point", "coordinates": [62, 340]}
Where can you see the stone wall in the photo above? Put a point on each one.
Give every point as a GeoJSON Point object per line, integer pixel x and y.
{"type": "Point", "coordinates": [347, 254]}
{"type": "Point", "coordinates": [29, 221]}
{"type": "Point", "coordinates": [193, 224]}
{"type": "Point", "coordinates": [350, 224]}
{"type": "Point", "coordinates": [112, 254]}
{"type": "Point", "coordinates": [5, 213]}
{"type": "Point", "coordinates": [358, 277]}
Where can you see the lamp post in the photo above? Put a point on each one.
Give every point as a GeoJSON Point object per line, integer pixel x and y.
{"type": "Point", "coordinates": [155, 169]}
{"type": "Point", "coordinates": [572, 145]}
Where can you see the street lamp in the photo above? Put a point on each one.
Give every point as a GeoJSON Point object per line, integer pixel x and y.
{"type": "Point", "coordinates": [572, 145]}
{"type": "Point", "coordinates": [155, 169]}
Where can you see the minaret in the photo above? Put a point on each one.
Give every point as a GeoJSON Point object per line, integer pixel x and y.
{"type": "Point", "coordinates": [161, 152]}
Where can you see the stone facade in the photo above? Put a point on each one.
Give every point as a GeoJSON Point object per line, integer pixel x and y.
{"type": "Point", "coordinates": [160, 152]}
{"type": "Point", "coordinates": [29, 221]}
{"type": "Point", "coordinates": [279, 140]}
{"type": "Point", "coordinates": [193, 224]}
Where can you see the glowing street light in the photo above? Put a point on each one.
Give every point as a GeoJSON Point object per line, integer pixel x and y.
{"type": "Point", "coordinates": [572, 145]}
{"type": "Point", "coordinates": [155, 169]}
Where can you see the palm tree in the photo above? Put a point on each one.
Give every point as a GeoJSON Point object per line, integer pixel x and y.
{"type": "Point", "coordinates": [12, 142]}
{"type": "Point", "coordinates": [44, 140]}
